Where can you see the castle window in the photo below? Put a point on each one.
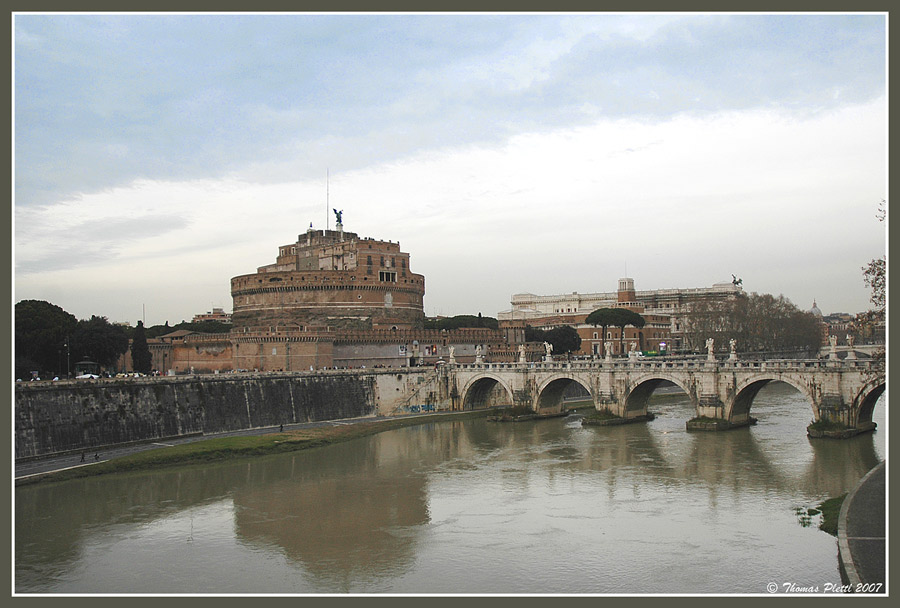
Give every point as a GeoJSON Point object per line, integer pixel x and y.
{"type": "Point", "coordinates": [385, 275]}
{"type": "Point", "coordinates": [382, 261]}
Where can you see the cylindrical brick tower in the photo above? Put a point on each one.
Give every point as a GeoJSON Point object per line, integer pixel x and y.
{"type": "Point", "coordinates": [331, 279]}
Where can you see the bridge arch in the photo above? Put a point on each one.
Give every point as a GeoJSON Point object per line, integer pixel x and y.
{"type": "Point", "coordinates": [864, 403]}
{"type": "Point", "coordinates": [642, 389]}
{"type": "Point", "coordinates": [550, 392]}
{"type": "Point", "coordinates": [485, 391]}
{"type": "Point", "coordinates": [746, 392]}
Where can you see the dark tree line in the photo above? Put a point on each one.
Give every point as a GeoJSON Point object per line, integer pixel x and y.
{"type": "Point", "coordinates": [50, 340]}
{"type": "Point", "coordinates": [758, 322]}
{"type": "Point", "coordinates": [563, 338]}
{"type": "Point", "coordinates": [462, 322]}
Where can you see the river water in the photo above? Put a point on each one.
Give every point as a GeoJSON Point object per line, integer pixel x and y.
{"type": "Point", "coordinates": [546, 507]}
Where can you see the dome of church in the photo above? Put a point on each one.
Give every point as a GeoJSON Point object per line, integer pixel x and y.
{"type": "Point", "coordinates": [815, 310]}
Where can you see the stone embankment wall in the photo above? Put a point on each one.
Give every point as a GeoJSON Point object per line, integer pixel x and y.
{"type": "Point", "coordinates": [76, 415]}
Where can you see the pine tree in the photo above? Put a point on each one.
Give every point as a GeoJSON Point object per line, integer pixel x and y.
{"type": "Point", "coordinates": [141, 359]}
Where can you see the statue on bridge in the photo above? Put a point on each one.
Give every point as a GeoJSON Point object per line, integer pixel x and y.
{"type": "Point", "coordinates": [452, 353]}
{"type": "Point", "coordinates": [607, 346]}
{"type": "Point", "coordinates": [479, 354]}
{"type": "Point", "coordinates": [733, 345]}
{"type": "Point", "coordinates": [709, 349]}
{"type": "Point", "coordinates": [851, 354]}
{"type": "Point", "coordinates": [522, 358]}
{"type": "Point", "coordinates": [549, 349]}
{"type": "Point", "coordinates": [832, 340]}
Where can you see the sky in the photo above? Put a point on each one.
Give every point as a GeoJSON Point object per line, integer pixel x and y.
{"type": "Point", "coordinates": [158, 155]}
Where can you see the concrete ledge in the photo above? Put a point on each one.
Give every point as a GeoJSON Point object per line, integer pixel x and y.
{"type": "Point", "coordinates": [861, 536]}
{"type": "Point", "coordinates": [105, 447]}
{"type": "Point", "coordinates": [525, 417]}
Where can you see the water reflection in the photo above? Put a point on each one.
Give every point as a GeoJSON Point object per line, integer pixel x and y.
{"type": "Point", "coordinates": [340, 525]}
{"type": "Point", "coordinates": [425, 509]}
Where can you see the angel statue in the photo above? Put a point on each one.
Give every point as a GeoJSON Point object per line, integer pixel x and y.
{"type": "Point", "coordinates": [736, 281]}
{"type": "Point", "coordinates": [338, 214]}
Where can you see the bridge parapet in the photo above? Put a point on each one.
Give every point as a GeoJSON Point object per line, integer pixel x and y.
{"type": "Point", "coordinates": [690, 364]}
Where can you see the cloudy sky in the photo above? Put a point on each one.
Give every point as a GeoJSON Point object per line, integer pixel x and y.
{"type": "Point", "coordinates": [157, 156]}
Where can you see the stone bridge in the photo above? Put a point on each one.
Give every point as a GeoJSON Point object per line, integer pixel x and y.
{"type": "Point", "coordinates": [842, 391]}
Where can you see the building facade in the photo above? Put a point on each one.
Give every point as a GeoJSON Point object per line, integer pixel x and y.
{"type": "Point", "coordinates": [216, 314]}
{"type": "Point", "coordinates": [663, 310]}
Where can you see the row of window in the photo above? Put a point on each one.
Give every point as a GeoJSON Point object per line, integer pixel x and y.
{"type": "Point", "coordinates": [609, 335]}
{"type": "Point", "coordinates": [387, 275]}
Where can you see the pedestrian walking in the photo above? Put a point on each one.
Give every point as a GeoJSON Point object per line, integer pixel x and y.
{"type": "Point", "coordinates": [82, 457]}
{"type": "Point", "coordinates": [280, 428]}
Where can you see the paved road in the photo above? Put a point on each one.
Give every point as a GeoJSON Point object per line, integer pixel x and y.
{"type": "Point", "coordinates": [861, 534]}
{"type": "Point", "coordinates": [58, 463]}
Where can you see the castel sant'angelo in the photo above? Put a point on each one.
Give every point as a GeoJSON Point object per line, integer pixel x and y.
{"type": "Point", "coordinates": [331, 280]}
{"type": "Point", "coordinates": [331, 299]}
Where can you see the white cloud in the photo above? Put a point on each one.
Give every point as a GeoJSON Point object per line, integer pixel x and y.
{"type": "Point", "coordinates": [787, 202]}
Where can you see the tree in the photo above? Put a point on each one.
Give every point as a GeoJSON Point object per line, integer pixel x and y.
{"type": "Point", "coordinates": [602, 317]}
{"type": "Point", "coordinates": [141, 359]}
{"type": "Point", "coordinates": [875, 277]}
{"type": "Point", "coordinates": [623, 318]}
{"type": "Point", "coordinates": [564, 339]}
{"type": "Point", "coordinates": [41, 331]}
{"type": "Point", "coordinates": [462, 321]}
{"type": "Point", "coordinates": [758, 322]}
{"type": "Point", "coordinates": [98, 340]}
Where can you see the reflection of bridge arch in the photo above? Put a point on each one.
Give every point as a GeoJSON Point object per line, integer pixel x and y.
{"type": "Point", "coordinates": [746, 392]}
{"type": "Point", "coordinates": [642, 389]}
{"type": "Point", "coordinates": [866, 398]}
{"type": "Point", "coordinates": [550, 392]}
{"type": "Point", "coordinates": [486, 390]}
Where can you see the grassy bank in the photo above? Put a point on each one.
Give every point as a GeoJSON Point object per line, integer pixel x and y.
{"type": "Point", "coordinates": [828, 426]}
{"type": "Point", "coordinates": [228, 448]}
{"type": "Point", "coordinates": [830, 511]}
{"type": "Point", "coordinates": [601, 415]}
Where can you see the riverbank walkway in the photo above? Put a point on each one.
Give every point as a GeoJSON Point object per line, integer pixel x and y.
{"type": "Point", "coordinates": [861, 534]}
{"type": "Point", "coordinates": [36, 466]}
